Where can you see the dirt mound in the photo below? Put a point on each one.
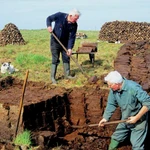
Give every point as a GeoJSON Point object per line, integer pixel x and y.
{"type": "Point", "coordinates": [11, 35]}
{"type": "Point", "coordinates": [133, 62]}
{"type": "Point", "coordinates": [124, 31]}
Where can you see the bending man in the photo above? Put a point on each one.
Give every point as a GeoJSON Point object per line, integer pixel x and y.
{"type": "Point", "coordinates": [134, 103]}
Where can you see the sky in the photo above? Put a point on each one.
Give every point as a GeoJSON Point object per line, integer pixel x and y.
{"type": "Point", "coordinates": [32, 14]}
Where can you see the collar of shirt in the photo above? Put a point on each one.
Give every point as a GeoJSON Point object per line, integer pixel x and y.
{"type": "Point", "coordinates": [123, 85]}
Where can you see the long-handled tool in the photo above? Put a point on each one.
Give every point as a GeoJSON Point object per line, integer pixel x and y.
{"type": "Point", "coordinates": [94, 125]}
{"type": "Point", "coordinates": [21, 102]}
{"type": "Point", "coordinates": [92, 79]}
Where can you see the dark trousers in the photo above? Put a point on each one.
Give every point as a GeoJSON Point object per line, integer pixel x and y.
{"type": "Point", "coordinates": [56, 49]}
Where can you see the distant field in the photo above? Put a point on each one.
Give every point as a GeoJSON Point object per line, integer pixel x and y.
{"type": "Point", "coordinates": [35, 56]}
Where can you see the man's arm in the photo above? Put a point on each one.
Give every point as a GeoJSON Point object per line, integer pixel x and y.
{"type": "Point", "coordinates": [72, 37]}
{"type": "Point", "coordinates": [51, 18]}
{"type": "Point", "coordinates": [144, 99]}
{"type": "Point", "coordinates": [111, 106]}
{"type": "Point", "coordinates": [134, 119]}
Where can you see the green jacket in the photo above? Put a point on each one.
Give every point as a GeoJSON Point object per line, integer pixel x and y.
{"type": "Point", "coordinates": [130, 99]}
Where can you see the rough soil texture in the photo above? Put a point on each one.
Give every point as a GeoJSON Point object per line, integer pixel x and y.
{"type": "Point", "coordinates": [133, 62]}
{"type": "Point", "coordinates": [51, 112]}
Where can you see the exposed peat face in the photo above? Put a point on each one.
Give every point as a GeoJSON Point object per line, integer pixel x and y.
{"type": "Point", "coordinates": [50, 113]}
{"type": "Point", "coordinates": [133, 62]}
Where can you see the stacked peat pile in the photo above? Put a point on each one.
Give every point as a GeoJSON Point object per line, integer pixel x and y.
{"type": "Point", "coordinates": [133, 62]}
{"type": "Point", "coordinates": [124, 31]}
{"type": "Point", "coordinates": [11, 35]}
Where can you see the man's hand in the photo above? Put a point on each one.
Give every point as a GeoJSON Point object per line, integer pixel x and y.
{"type": "Point", "coordinates": [50, 29]}
{"type": "Point", "coordinates": [101, 122]}
{"type": "Point", "coordinates": [69, 52]}
{"type": "Point", "coordinates": [132, 120]}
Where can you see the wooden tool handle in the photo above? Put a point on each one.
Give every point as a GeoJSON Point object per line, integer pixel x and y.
{"type": "Point", "coordinates": [106, 123]}
{"type": "Point", "coordinates": [76, 62]}
{"type": "Point", "coordinates": [109, 123]}
{"type": "Point", "coordinates": [115, 122]}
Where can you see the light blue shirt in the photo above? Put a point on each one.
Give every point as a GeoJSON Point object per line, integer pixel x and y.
{"type": "Point", "coordinates": [131, 98]}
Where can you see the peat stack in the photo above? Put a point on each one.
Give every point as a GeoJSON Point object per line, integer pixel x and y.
{"type": "Point", "coordinates": [133, 62]}
{"type": "Point", "coordinates": [11, 35]}
{"type": "Point", "coordinates": [124, 31]}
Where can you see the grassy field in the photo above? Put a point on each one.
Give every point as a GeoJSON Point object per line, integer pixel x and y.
{"type": "Point", "coordinates": [35, 56]}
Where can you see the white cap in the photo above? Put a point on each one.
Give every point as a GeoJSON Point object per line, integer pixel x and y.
{"type": "Point", "coordinates": [114, 77]}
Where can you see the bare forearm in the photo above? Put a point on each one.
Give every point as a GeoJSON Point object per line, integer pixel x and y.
{"type": "Point", "coordinates": [143, 110]}
{"type": "Point", "coordinates": [134, 119]}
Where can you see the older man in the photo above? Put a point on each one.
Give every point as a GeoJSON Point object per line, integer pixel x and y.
{"type": "Point", "coordinates": [134, 103]}
{"type": "Point", "coordinates": [65, 28]}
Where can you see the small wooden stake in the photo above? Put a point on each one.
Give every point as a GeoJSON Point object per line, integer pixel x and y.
{"type": "Point", "coordinates": [21, 102]}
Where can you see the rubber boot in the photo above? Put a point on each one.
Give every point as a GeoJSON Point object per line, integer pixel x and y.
{"type": "Point", "coordinates": [67, 71]}
{"type": "Point", "coordinates": [53, 73]}
{"type": "Point", "coordinates": [113, 145]}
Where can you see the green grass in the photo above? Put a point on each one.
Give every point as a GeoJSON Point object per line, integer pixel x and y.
{"type": "Point", "coordinates": [23, 139]}
{"type": "Point", "coordinates": [35, 56]}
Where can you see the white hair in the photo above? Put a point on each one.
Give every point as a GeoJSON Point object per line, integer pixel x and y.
{"type": "Point", "coordinates": [114, 77]}
{"type": "Point", "coordinates": [75, 12]}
